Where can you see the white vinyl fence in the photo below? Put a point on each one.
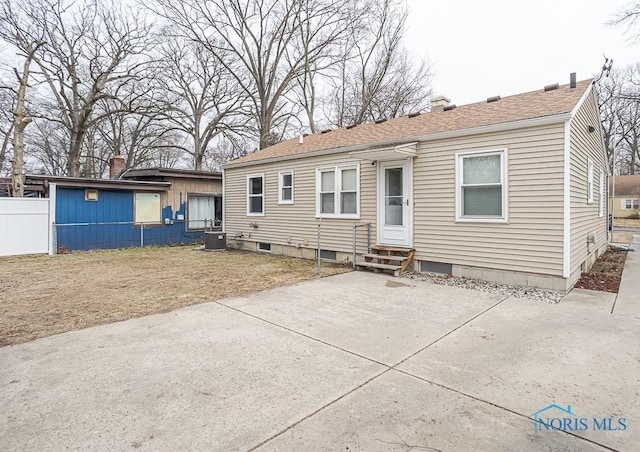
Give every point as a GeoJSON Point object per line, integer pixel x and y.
{"type": "Point", "coordinates": [25, 226]}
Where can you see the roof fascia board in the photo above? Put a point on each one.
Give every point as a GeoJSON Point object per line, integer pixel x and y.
{"type": "Point", "coordinates": [177, 175]}
{"type": "Point", "coordinates": [162, 186]}
{"type": "Point", "coordinates": [522, 124]}
{"type": "Point", "coordinates": [582, 100]}
{"type": "Point", "coordinates": [532, 122]}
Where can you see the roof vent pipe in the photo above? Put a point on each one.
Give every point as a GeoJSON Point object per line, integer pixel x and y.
{"type": "Point", "coordinates": [572, 80]}
{"type": "Point", "coordinates": [551, 87]}
{"type": "Point", "coordinates": [301, 139]}
{"type": "Point", "coordinates": [493, 99]}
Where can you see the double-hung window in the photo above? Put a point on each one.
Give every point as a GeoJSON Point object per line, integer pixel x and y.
{"type": "Point", "coordinates": [255, 195]}
{"type": "Point", "coordinates": [481, 193]}
{"type": "Point", "coordinates": [338, 192]}
{"type": "Point", "coordinates": [285, 187]}
{"type": "Point", "coordinates": [629, 204]}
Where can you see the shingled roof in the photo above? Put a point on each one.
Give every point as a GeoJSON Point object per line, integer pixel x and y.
{"type": "Point", "coordinates": [534, 104]}
{"type": "Point", "coordinates": [626, 186]}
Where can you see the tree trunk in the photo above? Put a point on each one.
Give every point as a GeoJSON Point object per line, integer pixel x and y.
{"type": "Point", "coordinates": [5, 145]}
{"type": "Point", "coordinates": [75, 149]}
{"type": "Point", "coordinates": [20, 123]}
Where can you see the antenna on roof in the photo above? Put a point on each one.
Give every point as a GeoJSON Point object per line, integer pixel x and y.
{"type": "Point", "coordinates": [606, 68]}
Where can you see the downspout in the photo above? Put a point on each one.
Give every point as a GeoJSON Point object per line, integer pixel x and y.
{"type": "Point", "coordinates": [224, 203]}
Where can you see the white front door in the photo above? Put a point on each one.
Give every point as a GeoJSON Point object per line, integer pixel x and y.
{"type": "Point", "coordinates": [395, 203]}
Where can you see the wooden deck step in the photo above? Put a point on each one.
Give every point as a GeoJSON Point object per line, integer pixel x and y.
{"type": "Point", "coordinates": [380, 257]}
{"type": "Point", "coordinates": [374, 265]}
{"type": "Point", "coordinates": [394, 249]}
{"type": "Point", "coordinates": [386, 257]}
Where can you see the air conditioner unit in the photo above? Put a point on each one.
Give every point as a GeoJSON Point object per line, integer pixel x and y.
{"type": "Point", "coordinates": [215, 241]}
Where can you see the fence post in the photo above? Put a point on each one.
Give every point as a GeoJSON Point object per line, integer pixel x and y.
{"type": "Point", "coordinates": [353, 258]}
{"type": "Point", "coordinates": [319, 267]}
{"type": "Point", "coordinates": [141, 235]}
{"type": "Point", "coordinates": [54, 239]}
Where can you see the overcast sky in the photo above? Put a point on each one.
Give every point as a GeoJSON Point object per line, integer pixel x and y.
{"type": "Point", "coordinates": [483, 48]}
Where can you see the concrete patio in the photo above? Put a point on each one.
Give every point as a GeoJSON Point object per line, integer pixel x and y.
{"type": "Point", "coordinates": [357, 361]}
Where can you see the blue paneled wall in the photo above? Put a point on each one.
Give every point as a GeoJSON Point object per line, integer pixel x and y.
{"type": "Point", "coordinates": [108, 222]}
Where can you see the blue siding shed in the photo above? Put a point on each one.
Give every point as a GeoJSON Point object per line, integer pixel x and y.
{"type": "Point", "coordinates": [108, 222]}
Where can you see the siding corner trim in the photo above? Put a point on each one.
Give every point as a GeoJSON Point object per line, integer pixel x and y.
{"type": "Point", "coordinates": [566, 247]}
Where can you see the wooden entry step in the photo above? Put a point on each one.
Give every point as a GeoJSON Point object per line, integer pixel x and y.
{"type": "Point", "coordinates": [391, 258]}
{"type": "Point", "coordinates": [385, 257]}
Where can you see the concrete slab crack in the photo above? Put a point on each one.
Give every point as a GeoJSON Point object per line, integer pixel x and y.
{"type": "Point", "coordinates": [500, 407]}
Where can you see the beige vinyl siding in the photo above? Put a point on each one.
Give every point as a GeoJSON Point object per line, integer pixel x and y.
{"type": "Point", "coordinates": [180, 188]}
{"type": "Point", "coordinates": [533, 238]}
{"type": "Point", "coordinates": [292, 224]}
{"type": "Point", "coordinates": [584, 216]}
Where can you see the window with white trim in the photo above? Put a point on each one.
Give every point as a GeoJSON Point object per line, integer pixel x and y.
{"type": "Point", "coordinates": [255, 195]}
{"type": "Point", "coordinates": [481, 186]}
{"type": "Point", "coordinates": [602, 195]}
{"type": "Point", "coordinates": [285, 187]}
{"type": "Point", "coordinates": [629, 204]}
{"type": "Point", "coordinates": [338, 192]}
{"type": "Point", "coordinates": [590, 182]}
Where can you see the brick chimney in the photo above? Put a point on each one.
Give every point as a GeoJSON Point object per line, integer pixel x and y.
{"type": "Point", "coordinates": [116, 166]}
{"type": "Point", "coordinates": [438, 103]}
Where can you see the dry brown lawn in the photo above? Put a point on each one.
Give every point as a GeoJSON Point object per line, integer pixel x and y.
{"type": "Point", "coordinates": [45, 295]}
{"type": "Point", "coordinates": [626, 223]}
{"type": "Point", "coordinates": [621, 237]}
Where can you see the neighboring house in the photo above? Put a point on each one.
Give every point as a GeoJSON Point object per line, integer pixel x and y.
{"type": "Point", "coordinates": [624, 196]}
{"type": "Point", "coordinates": [509, 190]}
{"type": "Point", "coordinates": [196, 196]}
{"type": "Point", "coordinates": [145, 207]}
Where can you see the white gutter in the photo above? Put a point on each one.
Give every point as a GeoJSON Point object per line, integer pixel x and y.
{"type": "Point", "coordinates": [532, 122]}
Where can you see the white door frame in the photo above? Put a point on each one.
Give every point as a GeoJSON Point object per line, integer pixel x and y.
{"type": "Point", "coordinates": [407, 165]}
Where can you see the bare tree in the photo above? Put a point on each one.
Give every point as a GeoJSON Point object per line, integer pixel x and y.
{"type": "Point", "coordinates": [198, 98]}
{"type": "Point", "coordinates": [7, 101]}
{"type": "Point", "coordinates": [85, 47]}
{"type": "Point", "coordinates": [48, 144]}
{"type": "Point", "coordinates": [377, 78]}
{"type": "Point", "coordinates": [620, 109]}
{"type": "Point", "coordinates": [628, 18]}
{"type": "Point", "coordinates": [610, 99]}
{"type": "Point", "coordinates": [21, 120]}
{"type": "Point", "coordinates": [256, 42]}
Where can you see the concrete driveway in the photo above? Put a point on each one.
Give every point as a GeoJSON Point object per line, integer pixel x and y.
{"type": "Point", "coordinates": [352, 362]}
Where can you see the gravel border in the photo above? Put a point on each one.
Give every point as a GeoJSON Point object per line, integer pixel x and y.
{"type": "Point", "coordinates": [532, 293]}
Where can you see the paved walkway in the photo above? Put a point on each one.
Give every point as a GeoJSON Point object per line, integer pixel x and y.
{"type": "Point", "coordinates": [352, 362]}
{"type": "Point", "coordinates": [628, 301]}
